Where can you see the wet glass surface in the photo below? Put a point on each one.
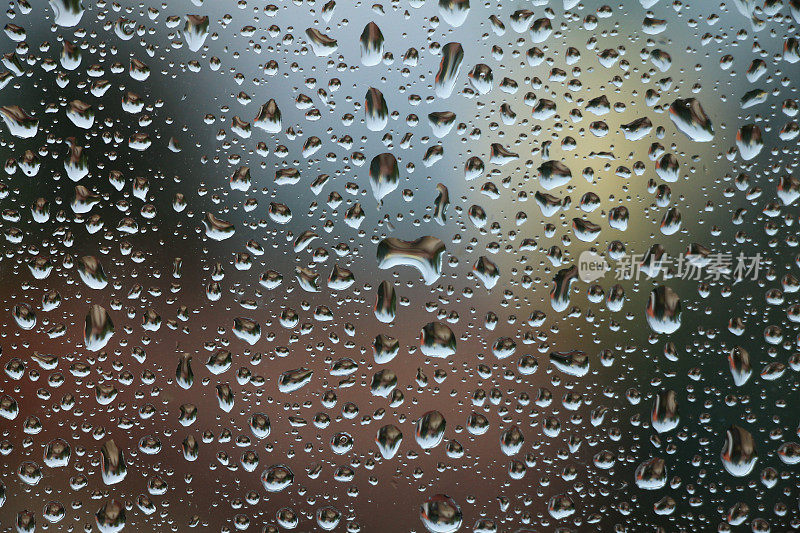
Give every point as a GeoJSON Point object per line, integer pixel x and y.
{"type": "Point", "coordinates": [406, 266]}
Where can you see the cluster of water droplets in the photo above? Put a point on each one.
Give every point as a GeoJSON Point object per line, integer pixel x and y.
{"type": "Point", "coordinates": [248, 288]}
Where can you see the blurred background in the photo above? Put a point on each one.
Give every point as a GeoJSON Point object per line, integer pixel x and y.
{"type": "Point", "coordinates": [139, 211]}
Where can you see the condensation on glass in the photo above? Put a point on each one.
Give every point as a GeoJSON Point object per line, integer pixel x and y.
{"type": "Point", "coordinates": [406, 266]}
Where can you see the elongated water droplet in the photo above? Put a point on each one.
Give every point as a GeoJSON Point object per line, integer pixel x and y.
{"type": "Point", "coordinates": [98, 328]}
{"type": "Point", "coordinates": [689, 117]}
{"type": "Point", "coordinates": [425, 254]}
{"type": "Point", "coordinates": [371, 43]}
{"type": "Point", "coordinates": [449, 68]}
{"type": "Point", "coordinates": [738, 454]}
